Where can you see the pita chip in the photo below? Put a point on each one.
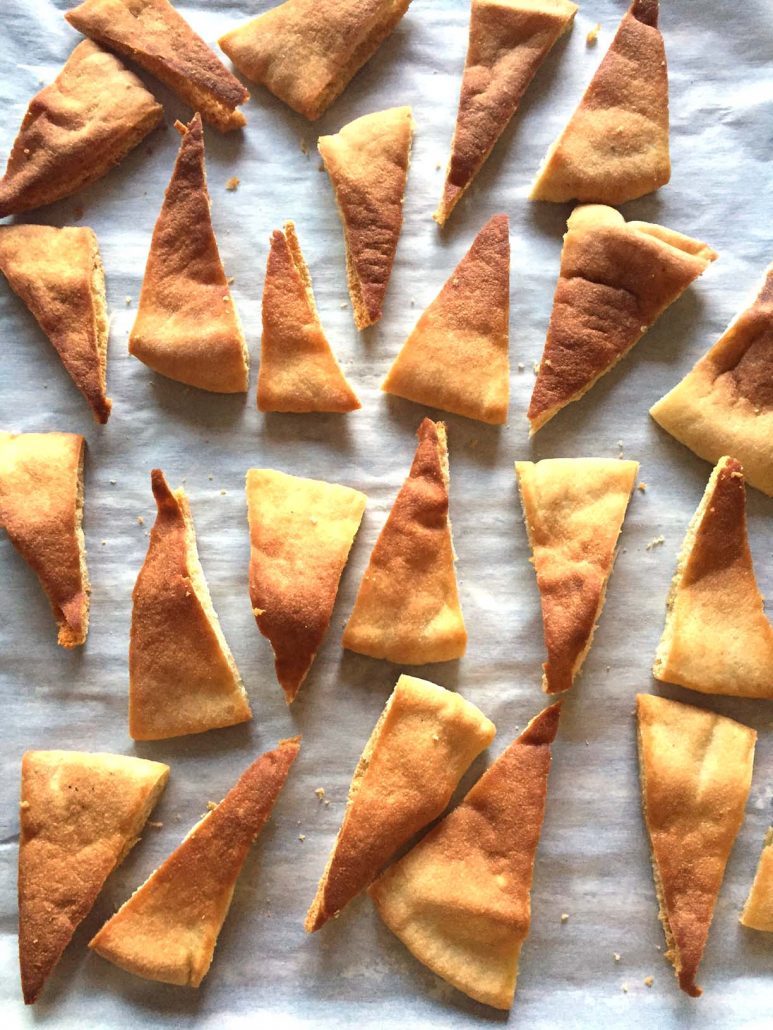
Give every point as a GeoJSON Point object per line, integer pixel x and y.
{"type": "Point", "coordinates": [725, 405]}
{"type": "Point", "coordinates": [154, 35]}
{"type": "Point", "coordinates": [758, 910]}
{"type": "Point", "coordinates": [76, 129]}
{"type": "Point", "coordinates": [80, 816]}
{"type": "Point", "coordinates": [509, 40]}
{"type": "Point", "coordinates": [301, 532]}
{"type": "Point", "coordinates": [367, 162]}
{"type": "Point", "coordinates": [615, 147]}
{"type": "Point", "coordinates": [696, 770]}
{"type": "Point", "coordinates": [717, 638]}
{"type": "Point", "coordinates": [460, 900]}
{"type": "Point", "coordinates": [616, 279]}
{"type": "Point", "coordinates": [58, 274]}
{"type": "Point", "coordinates": [420, 748]}
{"type": "Point", "coordinates": [168, 928]}
{"type": "Point", "coordinates": [573, 509]}
{"type": "Point", "coordinates": [41, 509]}
{"type": "Point", "coordinates": [298, 371]}
{"type": "Point", "coordinates": [182, 675]}
{"type": "Point", "coordinates": [308, 51]}
{"type": "Point", "coordinates": [407, 608]}
{"type": "Point", "coordinates": [457, 358]}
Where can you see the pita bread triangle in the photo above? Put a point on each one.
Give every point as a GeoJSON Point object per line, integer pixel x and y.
{"type": "Point", "coordinates": [616, 279]}
{"type": "Point", "coordinates": [717, 638]}
{"type": "Point", "coordinates": [509, 40]}
{"type": "Point", "coordinates": [574, 510]}
{"type": "Point", "coordinates": [696, 769]}
{"type": "Point", "coordinates": [457, 358]}
{"type": "Point", "coordinates": [168, 928]}
{"type": "Point", "coordinates": [367, 161]}
{"type": "Point", "coordinates": [182, 675]}
{"type": "Point", "coordinates": [758, 910]}
{"type": "Point", "coordinates": [298, 371]}
{"type": "Point", "coordinates": [407, 608]}
{"type": "Point", "coordinates": [80, 816]}
{"type": "Point", "coordinates": [418, 751]}
{"type": "Point", "coordinates": [615, 147]}
{"type": "Point", "coordinates": [460, 899]}
{"type": "Point", "coordinates": [725, 404]}
{"type": "Point", "coordinates": [187, 327]}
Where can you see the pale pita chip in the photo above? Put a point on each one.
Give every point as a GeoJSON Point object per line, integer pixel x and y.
{"type": "Point", "coordinates": [758, 910]}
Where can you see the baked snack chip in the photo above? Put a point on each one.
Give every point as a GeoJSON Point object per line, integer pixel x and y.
{"type": "Point", "coordinates": [418, 751]}
{"type": "Point", "coordinates": [460, 901]}
{"type": "Point", "coordinates": [758, 911]}
{"type": "Point", "coordinates": [168, 928]}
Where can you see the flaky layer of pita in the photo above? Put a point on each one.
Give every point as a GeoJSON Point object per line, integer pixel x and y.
{"type": "Point", "coordinates": [758, 911]}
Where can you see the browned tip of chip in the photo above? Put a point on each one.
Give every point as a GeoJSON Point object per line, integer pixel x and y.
{"type": "Point", "coordinates": [543, 727]}
{"type": "Point", "coordinates": [645, 11]}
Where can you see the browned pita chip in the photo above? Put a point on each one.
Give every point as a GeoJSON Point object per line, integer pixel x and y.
{"type": "Point", "coordinates": [758, 910]}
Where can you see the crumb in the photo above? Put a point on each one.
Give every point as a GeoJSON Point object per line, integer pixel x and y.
{"type": "Point", "coordinates": [655, 542]}
{"type": "Point", "coordinates": [642, 487]}
{"type": "Point", "coordinates": [344, 305]}
{"type": "Point", "coordinates": [649, 981]}
{"type": "Point", "coordinates": [140, 520]}
{"type": "Point", "coordinates": [521, 366]}
{"type": "Point", "coordinates": [535, 367]}
{"type": "Point", "coordinates": [231, 279]}
{"type": "Point", "coordinates": [112, 482]}
{"type": "Point", "coordinates": [564, 917]}
{"type": "Point", "coordinates": [210, 478]}
{"type": "Point", "coordinates": [320, 792]}
{"type": "Point", "coordinates": [609, 667]}
{"type": "Point", "coordinates": [625, 988]}
{"type": "Point", "coordinates": [592, 37]}
{"type": "Point", "coordinates": [128, 301]}
{"type": "Point", "coordinates": [232, 185]}
{"type": "Point", "coordinates": [616, 956]}
{"type": "Point", "coordinates": [211, 806]}
{"type": "Point", "coordinates": [587, 743]}
{"type": "Point", "coordinates": [327, 802]}
{"type": "Point", "coordinates": [24, 805]}
{"type": "Point", "coordinates": [222, 493]}
{"type": "Point", "coordinates": [438, 166]}
{"type": "Point", "coordinates": [435, 738]}
{"type": "Point", "coordinates": [301, 837]}
{"type": "Point", "coordinates": [304, 146]}
{"type": "Point", "coordinates": [103, 542]}
{"type": "Point", "coordinates": [657, 947]}
{"type": "Point", "coordinates": [156, 826]}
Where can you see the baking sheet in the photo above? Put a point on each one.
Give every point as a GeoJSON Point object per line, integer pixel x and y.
{"type": "Point", "coordinates": [593, 861]}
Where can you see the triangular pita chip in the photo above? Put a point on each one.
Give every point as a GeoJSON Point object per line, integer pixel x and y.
{"type": "Point", "coordinates": [187, 327]}
{"type": "Point", "coordinates": [182, 675]}
{"type": "Point", "coordinates": [41, 509]}
{"type": "Point", "coordinates": [76, 129]}
{"type": "Point", "coordinates": [168, 928]}
{"type": "Point", "coordinates": [418, 751]}
{"type": "Point", "coordinates": [574, 510]}
{"type": "Point", "coordinates": [301, 531]}
{"type": "Point", "coordinates": [616, 279]}
{"type": "Point", "coordinates": [298, 371]}
{"type": "Point", "coordinates": [460, 901]}
{"type": "Point", "coordinates": [615, 147]}
{"type": "Point", "coordinates": [367, 162]}
{"type": "Point", "coordinates": [58, 274]}
{"type": "Point", "coordinates": [307, 51]}
{"type": "Point", "coordinates": [80, 816]}
{"type": "Point", "coordinates": [758, 910]}
{"type": "Point", "coordinates": [158, 39]}
{"type": "Point", "coordinates": [457, 357]}
{"type": "Point", "coordinates": [717, 638]}
{"type": "Point", "coordinates": [407, 609]}
{"type": "Point", "coordinates": [509, 40]}
{"type": "Point", "coordinates": [696, 770]}
{"type": "Point", "coordinates": [725, 405]}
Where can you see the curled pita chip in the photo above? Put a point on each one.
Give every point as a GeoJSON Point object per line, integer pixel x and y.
{"type": "Point", "coordinates": [301, 532]}
{"type": "Point", "coordinates": [168, 928]}
{"type": "Point", "coordinates": [367, 161]}
{"type": "Point", "coordinates": [758, 910]}
{"type": "Point", "coordinates": [152, 33]}
{"type": "Point", "coordinates": [696, 770]}
{"type": "Point", "coordinates": [41, 509]}
{"type": "Point", "coordinates": [58, 274]}
{"type": "Point", "coordinates": [80, 816]}
{"type": "Point", "coordinates": [725, 405]}
{"type": "Point", "coordinates": [616, 279]}
{"type": "Point", "coordinates": [407, 608]}
{"type": "Point", "coordinates": [615, 147]}
{"type": "Point", "coordinates": [182, 675]}
{"type": "Point", "coordinates": [308, 51]}
{"type": "Point", "coordinates": [187, 327]}
{"type": "Point", "coordinates": [573, 509]}
{"type": "Point", "coordinates": [460, 901]}
{"type": "Point", "coordinates": [76, 129]}
{"type": "Point", "coordinates": [457, 358]}
{"type": "Point", "coordinates": [418, 751]}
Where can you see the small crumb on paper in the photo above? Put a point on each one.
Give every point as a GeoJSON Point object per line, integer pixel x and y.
{"type": "Point", "coordinates": [128, 301]}
{"type": "Point", "coordinates": [304, 146]}
{"type": "Point", "coordinates": [655, 542]}
{"type": "Point", "coordinates": [592, 38]}
{"type": "Point", "coordinates": [156, 826]}
{"type": "Point", "coordinates": [232, 185]}
{"type": "Point", "coordinates": [564, 917]}
{"type": "Point", "coordinates": [320, 792]}
{"type": "Point", "coordinates": [140, 520]}
{"type": "Point", "coordinates": [211, 806]}
{"type": "Point", "coordinates": [625, 988]}
{"type": "Point", "coordinates": [642, 487]}
{"type": "Point", "coordinates": [301, 837]}
{"type": "Point", "coordinates": [521, 366]}
{"type": "Point", "coordinates": [616, 956]}
{"type": "Point", "coordinates": [649, 981]}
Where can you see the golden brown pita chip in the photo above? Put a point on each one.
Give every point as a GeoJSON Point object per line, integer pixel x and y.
{"type": "Point", "coordinates": [182, 675]}
{"type": "Point", "coordinates": [696, 770]}
{"type": "Point", "coordinates": [460, 901]}
{"type": "Point", "coordinates": [152, 33]}
{"type": "Point", "coordinates": [574, 510]}
{"type": "Point", "coordinates": [418, 751]}
{"type": "Point", "coordinates": [407, 609]}
{"type": "Point", "coordinates": [615, 147]}
{"type": "Point", "coordinates": [616, 279]}
{"type": "Point", "coordinates": [301, 532]}
{"type": "Point", "coordinates": [758, 910]}
{"type": "Point", "coordinates": [168, 928]}
{"type": "Point", "coordinates": [457, 358]}
{"type": "Point", "coordinates": [80, 816]}
{"type": "Point", "coordinates": [367, 162]}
